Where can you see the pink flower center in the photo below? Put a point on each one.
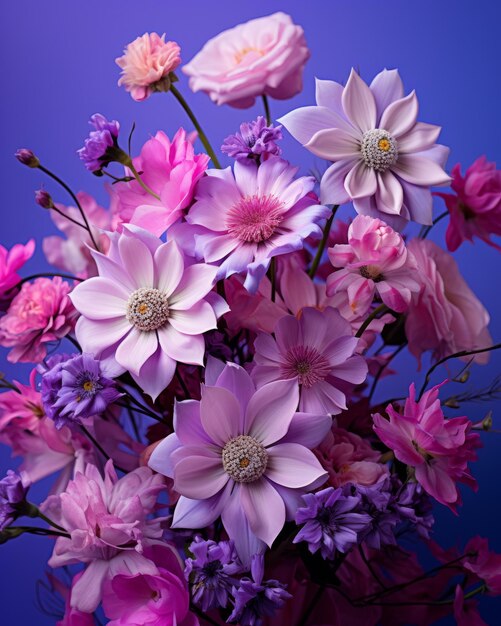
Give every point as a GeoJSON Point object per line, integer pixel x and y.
{"type": "Point", "coordinates": [307, 364]}
{"type": "Point", "coordinates": [254, 219]}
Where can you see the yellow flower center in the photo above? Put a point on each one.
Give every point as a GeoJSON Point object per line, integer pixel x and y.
{"type": "Point", "coordinates": [88, 385]}
{"type": "Point", "coordinates": [241, 54]}
{"type": "Point", "coordinates": [384, 145]}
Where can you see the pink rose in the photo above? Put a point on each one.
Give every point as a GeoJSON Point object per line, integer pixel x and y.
{"type": "Point", "coordinates": [263, 56]}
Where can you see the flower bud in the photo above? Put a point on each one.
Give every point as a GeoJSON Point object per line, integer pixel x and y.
{"type": "Point", "coordinates": [26, 157]}
{"type": "Point", "coordinates": [44, 199]}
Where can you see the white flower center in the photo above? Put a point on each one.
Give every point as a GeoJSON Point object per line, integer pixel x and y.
{"type": "Point", "coordinates": [147, 309]}
{"type": "Point", "coordinates": [379, 149]}
{"type": "Point", "coordinates": [244, 459]}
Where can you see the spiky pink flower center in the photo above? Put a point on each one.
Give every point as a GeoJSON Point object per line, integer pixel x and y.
{"type": "Point", "coordinates": [307, 363]}
{"type": "Point", "coordinates": [244, 459]}
{"type": "Point", "coordinates": [254, 219]}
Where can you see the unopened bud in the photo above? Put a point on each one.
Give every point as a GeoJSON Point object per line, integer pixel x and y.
{"type": "Point", "coordinates": [26, 157]}
{"type": "Point", "coordinates": [452, 403]}
{"type": "Point", "coordinates": [44, 199]}
{"type": "Point", "coordinates": [464, 377]}
{"type": "Point", "coordinates": [487, 421]}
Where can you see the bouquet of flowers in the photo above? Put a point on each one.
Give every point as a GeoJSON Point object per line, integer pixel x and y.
{"type": "Point", "coordinates": [207, 350]}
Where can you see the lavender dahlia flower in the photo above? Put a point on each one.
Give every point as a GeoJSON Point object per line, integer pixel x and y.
{"type": "Point", "coordinates": [383, 159]}
{"type": "Point", "coordinates": [254, 143]}
{"type": "Point", "coordinates": [253, 214]}
{"type": "Point", "coordinates": [100, 146]}
{"type": "Point", "coordinates": [12, 498]}
{"type": "Point", "coordinates": [146, 310]}
{"type": "Point", "coordinates": [242, 454]}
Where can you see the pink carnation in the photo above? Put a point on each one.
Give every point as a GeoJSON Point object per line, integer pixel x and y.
{"type": "Point", "coordinates": [445, 316]}
{"type": "Point", "coordinates": [10, 262]}
{"type": "Point", "coordinates": [146, 65]}
{"type": "Point", "coordinates": [171, 169]}
{"type": "Point", "coordinates": [437, 448]}
{"type": "Point", "coordinates": [374, 261]}
{"type": "Point", "coordinates": [263, 56]}
{"type": "Point", "coordinates": [109, 526]}
{"type": "Point", "coordinates": [40, 313]}
{"type": "Point", "coordinates": [475, 208]}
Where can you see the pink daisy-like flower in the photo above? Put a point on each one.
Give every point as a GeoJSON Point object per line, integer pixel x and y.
{"type": "Point", "coordinates": [146, 310]}
{"type": "Point", "coordinates": [383, 159]}
{"type": "Point", "coordinates": [437, 448]}
{"type": "Point", "coordinates": [314, 352]}
{"type": "Point", "coordinates": [242, 454]}
{"type": "Point", "coordinates": [253, 214]}
{"type": "Point", "coordinates": [40, 313]}
{"type": "Point", "coordinates": [146, 64]}
{"type": "Point", "coordinates": [109, 526]}
{"type": "Point", "coordinates": [375, 260]}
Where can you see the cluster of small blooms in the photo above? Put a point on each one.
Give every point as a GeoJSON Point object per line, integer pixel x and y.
{"type": "Point", "coordinates": [219, 451]}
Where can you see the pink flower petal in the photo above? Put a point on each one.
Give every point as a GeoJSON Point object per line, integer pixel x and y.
{"type": "Point", "coordinates": [361, 181]}
{"type": "Point", "coordinates": [100, 298]}
{"type": "Point", "coordinates": [307, 429]}
{"type": "Point", "coordinates": [359, 103]}
{"type": "Point", "coordinates": [220, 414]}
{"type": "Point", "coordinates": [96, 336]}
{"type": "Point", "coordinates": [400, 116]}
{"type": "Point", "coordinates": [264, 509]}
{"type": "Point", "coordinates": [332, 189]}
{"type": "Point", "coordinates": [136, 349]}
{"type": "Point", "coordinates": [199, 477]}
{"type": "Point", "coordinates": [160, 459]}
{"type": "Point", "coordinates": [156, 373]}
{"type": "Point", "coordinates": [293, 465]}
{"type": "Point", "coordinates": [387, 87]}
{"type": "Point", "coordinates": [183, 348]}
{"type": "Point", "coordinates": [390, 195]}
{"type": "Point", "coordinates": [420, 137]}
{"type": "Point", "coordinates": [236, 380]}
{"type": "Point", "coordinates": [86, 593]}
{"type": "Point", "coordinates": [420, 170]}
{"type": "Point", "coordinates": [169, 266]}
{"type": "Point", "coordinates": [201, 513]}
{"type": "Point", "coordinates": [194, 321]}
{"type": "Point", "coordinates": [303, 123]}
{"type": "Point", "coordinates": [138, 260]}
{"type": "Point", "coordinates": [333, 144]}
{"type": "Point", "coordinates": [196, 282]}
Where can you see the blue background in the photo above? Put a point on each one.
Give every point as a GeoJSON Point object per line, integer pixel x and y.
{"type": "Point", "coordinates": [58, 68]}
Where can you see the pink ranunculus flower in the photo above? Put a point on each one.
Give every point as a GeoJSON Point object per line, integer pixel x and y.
{"type": "Point", "coordinates": [72, 254]}
{"type": "Point", "coordinates": [349, 459]}
{"type": "Point", "coordinates": [146, 310]}
{"type": "Point", "coordinates": [265, 56]}
{"type": "Point", "coordinates": [40, 313]}
{"type": "Point", "coordinates": [152, 599]}
{"type": "Point", "coordinates": [316, 353]}
{"type": "Point", "coordinates": [384, 160]}
{"type": "Point", "coordinates": [445, 316]}
{"type": "Point", "coordinates": [243, 455]}
{"type": "Point", "coordinates": [475, 207]}
{"type": "Point", "coordinates": [438, 449]}
{"type": "Point", "coordinates": [171, 169]}
{"type": "Point", "coordinates": [10, 262]}
{"type": "Point", "coordinates": [374, 261]}
{"type": "Point", "coordinates": [146, 64]}
{"type": "Point", "coordinates": [108, 520]}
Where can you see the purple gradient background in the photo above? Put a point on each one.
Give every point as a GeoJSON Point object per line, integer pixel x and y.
{"type": "Point", "coordinates": [58, 69]}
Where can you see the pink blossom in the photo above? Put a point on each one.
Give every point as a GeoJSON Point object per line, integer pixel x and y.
{"type": "Point", "coordinates": [384, 160]}
{"type": "Point", "coordinates": [437, 448]}
{"type": "Point", "coordinates": [465, 611]}
{"type": "Point", "coordinates": [445, 316]}
{"type": "Point", "coordinates": [243, 455]}
{"type": "Point", "coordinates": [10, 262]}
{"type": "Point", "coordinates": [72, 617]}
{"type": "Point", "coordinates": [349, 459]}
{"type": "Point", "coordinates": [171, 169]}
{"type": "Point", "coordinates": [484, 564]}
{"type": "Point", "coordinates": [475, 207]}
{"type": "Point", "coordinates": [72, 254]}
{"type": "Point", "coordinates": [263, 56]}
{"type": "Point", "coordinates": [40, 313]}
{"type": "Point", "coordinates": [152, 599]}
{"type": "Point", "coordinates": [146, 64]}
{"type": "Point", "coordinates": [109, 526]}
{"type": "Point", "coordinates": [374, 261]}
{"type": "Point", "coordinates": [316, 352]}
{"type": "Point", "coordinates": [146, 310]}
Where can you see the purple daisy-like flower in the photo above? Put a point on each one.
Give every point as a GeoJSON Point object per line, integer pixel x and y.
{"type": "Point", "coordinates": [241, 454]}
{"type": "Point", "coordinates": [316, 353]}
{"type": "Point", "coordinates": [101, 145]}
{"type": "Point", "coordinates": [12, 498]}
{"type": "Point", "coordinates": [146, 310]}
{"type": "Point", "coordinates": [212, 572]}
{"type": "Point", "coordinates": [256, 598]}
{"type": "Point", "coordinates": [253, 214]}
{"type": "Point", "coordinates": [255, 142]}
{"type": "Point", "coordinates": [331, 521]}
{"type": "Point", "coordinates": [384, 160]}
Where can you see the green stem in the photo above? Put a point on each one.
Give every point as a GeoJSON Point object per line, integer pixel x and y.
{"type": "Point", "coordinates": [323, 243]}
{"type": "Point", "coordinates": [380, 309]}
{"type": "Point", "coordinates": [203, 137]}
{"type": "Point", "coordinates": [33, 511]}
{"type": "Point", "coordinates": [75, 200]}
{"type": "Point", "coordinates": [266, 109]}
{"type": "Point", "coordinates": [130, 165]}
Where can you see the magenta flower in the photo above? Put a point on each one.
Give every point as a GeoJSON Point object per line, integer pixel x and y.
{"type": "Point", "coordinates": [109, 524]}
{"type": "Point", "coordinates": [243, 455]}
{"type": "Point", "coordinates": [171, 169]}
{"type": "Point", "coordinates": [263, 56]}
{"type": "Point", "coordinates": [475, 207]}
{"type": "Point", "coordinates": [253, 214]}
{"type": "Point", "coordinates": [438, 449]}
{"type": "Point", "coordinates": [146, 64]}
{"type": "Point", "coordinates": [315, 353]}
{"type": "Point", "coordinates": [10, 262]}
{"type": "Point", "coordinates": [445, 316]}
{"type": "Point", "coordinates": [146, 310]}
{"type": "Point", "coordinates": [383, 159]}
{"type": "Point", "coordinates": [40, 313]}
{"type": "Point", "coordinates": [375, 260]}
